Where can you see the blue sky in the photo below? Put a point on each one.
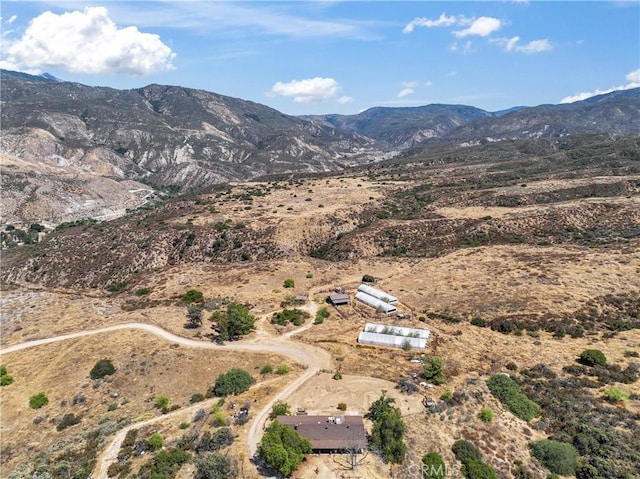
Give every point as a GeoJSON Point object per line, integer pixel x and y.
{"type": "Point", "coordinates": [335, 56]}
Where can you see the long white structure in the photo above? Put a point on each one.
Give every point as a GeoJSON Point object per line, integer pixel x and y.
{"type": "Point", "coordinates": [376, 303]}
{"type": "Point", "coordinates": [397, 330]}
{"type": "Point", "coordinates": [376, 293]}
{"type": "Point", "coordinates": [392, 341]}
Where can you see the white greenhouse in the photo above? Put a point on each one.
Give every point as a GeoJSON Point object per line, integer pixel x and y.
{"type": "Point", "coordinates": [376, 303]}
{"type": "Point", "coordinates": [376, 293]}
{"type": "Point", "coordinates": [397, 330]}
{"type": "Point", "coordinates": [392, 341]}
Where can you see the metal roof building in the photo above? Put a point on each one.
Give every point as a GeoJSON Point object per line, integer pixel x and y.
{"type": "Point", "coordinates": [329, 433]}
{"type": "Point", "coordinates": [375, 302]}
{"type": "Point", "coordinates": [397, 330]}
{"type": "Point", "coordinates": [337, 299]}
{"type": "Point", "coordinates": [390, 340]}
{"type": "Point", "coordinates": [376, 293]}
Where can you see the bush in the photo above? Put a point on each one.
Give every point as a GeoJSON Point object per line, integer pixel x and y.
{"type": "Point", "coordinates": [486, 414]}
{"type": "Point", "coordinates": [183, 425]}
{"type": "Point", "coordinates": [234, 381]}
{"type": "Point", "coordinates": [367, 278]}
{"type": "Point", "coordinates": [466, 451]}
{"type": "Point", "coordinates": [162, 402]}
{"type": "Point", "coordinates": [321, 315]}
{"type": "Point", "coordinates": [558, 457]}
{"type": "Point", "coordinates": [113, 406]}
{"type": "Point", "coordinates": [478, 470]}
{"type": "Point", "coordinates": [342, 406]}
{"type": "Point", "coordinates": [196, 397]}
{"type": "Point", "coordinates": [155, 441]}
{"type": "Point", "coordinates": [593, 357]}
{"type": "Point", "coordinates": [284, 317]}
{"type": "Point", "coordinates": [266, 369]}
{"type": "Point", "coordinates": [507, 391]}
{"type": "Point", "coordinates": [433, 369]}
{"type": "Point", "coordinates": [67, 421]}
{"type": "Point", "coordinates": [5, 377]}
{"type": "Point", "coordinates": [193, 296]}
{"type": "Point", "coordinates": [478, 322]}
{"type": "Point", "coordinates": [142, 291]}
{"type": "Point", "coordinates": [282, 369]}
{"type": "Point", "coordinates": [289, 283]}
{"type": "Point", "coordinates": [502, 325]}
{"type": "Point", "coordinates": [433, 467]}
{"type": "Point", "coordinates": [615, 395]}
{"type": "Point", "coordinates": [102, 368]}
{"type": "Point", "coordinates": [216, 466]}
{"type": "Point", "coordinates": [38, 400]}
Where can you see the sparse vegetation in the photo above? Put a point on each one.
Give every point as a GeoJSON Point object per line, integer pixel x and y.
{"type": "Point", "coordinates": [616, 395]}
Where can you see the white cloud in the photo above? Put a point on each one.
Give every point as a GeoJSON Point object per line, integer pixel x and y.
{"type": "Point", "coordinates": [534, 46]}
{"type": "Point", "coordinates": [465, 48]}
{"type": "Point", "coordinates": [12, 19]}
{"type": "Point", "coordinates": [482, 26]}
{"type": "Point", "coordinates": [88, 42]}
{"type": "Point", "coordinates": [408, 88]}
{"type": "Point", "coordinates": [346, 99]}
{"type": "Point", "coordinates": [442, 21]}
{"type": "Point", "coordinates": [428, 83]}
{"type": "Point", "coordinates": [310, 90]}
{"type": "Point", "coordinates": [633, 79]}
{"type": "Point", "coordinates": [405, 91]}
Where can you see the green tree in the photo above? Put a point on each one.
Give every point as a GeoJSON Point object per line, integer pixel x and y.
{"type": "Point", "coordinates": [280, 408]}
{"type": "Point", "coordinates": [236, 321]}
{"type": "Point", "coordinates": [558, 457]}
{"type": "Point", "coordinates": [593, 357]}
{"type": "Point", "coordinates": [433, 467]}
{"type": "Point", "coordinates": [282, 448]}
{"type": "Point", "coordinates": [234, 381]}
{"type": "Point", "coordinates": [102, 368]}
{"type": "Point", "coordinates": [387, 436]}
{"type": "Point", "coordinates": [38, 400]}
{"type": "Point", "coordinates": [379, 406]}
{"type": "Point", "coordinates": [216, 466]}
{"type": "Point", "coordinates": [193, 296]}
{"type": "Point", "coordinates": [289, 283]}
{"type": "Point", "coordinates": [433, 369]}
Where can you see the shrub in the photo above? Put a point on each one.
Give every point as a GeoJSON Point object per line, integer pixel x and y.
{"type": "Point", "coordinates": [321, 315]}
{"type": "Point", "coordinates": [142, 291]}
{"type": "Point", "coordinates": [477, 321]}
{"type": "Point", "coordinates": [216, 466]}
{"type": "Point", "coordinates": [342, 406]}
{"type": "Point", "coordinates": [478, 470]}
{"type": "Point", "coordinates": [337, 375]}
{"type": "Point", "coordinates": [184, 425]}
{"type": "Point", "coordinates": [155, 441]}
{"type": "Point", "coordinates": [367, 278]}
{"type": "Point", "coordinates": [113, 406]}
{"type": "Point", "coordinates": [593, 357]}
{"type": "Point", "coordinates": [282, 369]}
{"type": "Point", "coordinates": [466, 451]}
{"type": "Point", "coordinates": [289, 283]}
{"type": "Point", "coordinates": [161, 402]}
{"type": "Point", "coordinates": [102, 368]}
{"type": "Point", "coordinates": [486, 414]}
{"type": "Point", "coordinates": [502, 325]}
{"type": "Point", "coordinates": [507, 391]}
{"type": "Point", "coordinates": [38, 400]}
{"type": "Point", "coordinates": [433, 467]}
{"type": "Point", "coordinates": [193, 296]}
{"type": "Point", "coordinates": [445, 396]}
{"type": "Point", "coordinates": [615, 395]}
{"type": "Point", "coordinates": [558, 457]}
{"type": "Point", "coordinates": [234, 381]}
{"type": "Point", "coordinates": [266, 369]}
{"type": "Point", "coordinates": [67, 421]}
{"type": "Point", "coordinates": [631, 354]}
{"type": "Point", "coordinates": [284, 317]}
{"type": "Point", "coordinates": [5, 377]}
{"type": "Point", "coordinates": [196, 397]}
{"type": "Point", "coordinates": [433, 369]}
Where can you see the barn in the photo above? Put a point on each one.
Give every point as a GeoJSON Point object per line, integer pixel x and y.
{"type": "Point", "coordinates": [376, 293]}
{"type": "Point", "coordinates": [375, 303]}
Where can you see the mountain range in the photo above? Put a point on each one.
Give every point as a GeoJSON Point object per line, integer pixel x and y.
{"type": "Point", "coordinates": [70, 151]}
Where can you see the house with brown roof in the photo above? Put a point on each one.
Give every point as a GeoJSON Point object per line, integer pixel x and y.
{"type": "Point", "coordinates": [329, 434]}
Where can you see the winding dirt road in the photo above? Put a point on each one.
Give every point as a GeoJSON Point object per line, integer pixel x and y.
{"type": "Point", "coordinates": [312, 358]}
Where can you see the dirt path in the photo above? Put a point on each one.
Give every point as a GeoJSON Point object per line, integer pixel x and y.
{"type": "Point", "coordinates": [312, 358]}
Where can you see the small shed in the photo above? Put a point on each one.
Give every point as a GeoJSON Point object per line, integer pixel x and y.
{"type": "Point", "coordinates": [377, 293]}
{"type": "Point", "coordinates": [375, 303]}
{"type": "Point", "coordinates": [300, 299]}
{"type": "Point", "coordinates": [338, 299]}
